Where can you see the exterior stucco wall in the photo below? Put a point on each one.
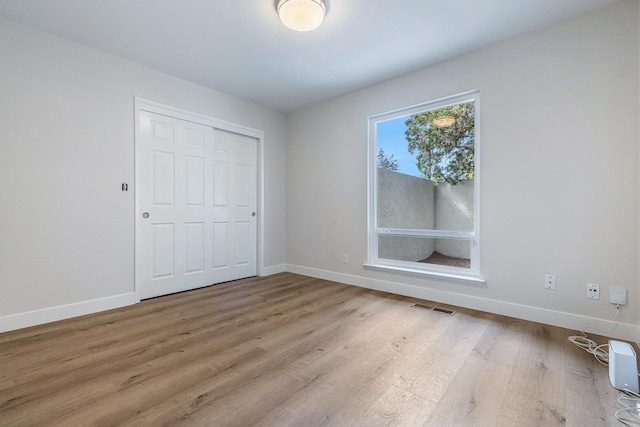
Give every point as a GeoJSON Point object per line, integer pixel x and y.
{"type": "Point", "coordinates": [406, 201]}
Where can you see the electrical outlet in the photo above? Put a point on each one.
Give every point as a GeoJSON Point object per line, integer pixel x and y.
{"type": "Point", "coordinates": [549, 281]}
{"type": "Point", "coordinates": [345, 258]}
{"type": "Point", "coordinates": [593, 291]}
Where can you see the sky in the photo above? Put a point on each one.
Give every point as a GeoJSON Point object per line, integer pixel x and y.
{"type": "Point", "coordinates": [390, 138]}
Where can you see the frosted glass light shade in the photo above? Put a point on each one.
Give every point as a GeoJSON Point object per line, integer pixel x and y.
{"type": "Point", "coordinates": [444, 121]}
{"type": "Point", "coordinates": [302, 15]}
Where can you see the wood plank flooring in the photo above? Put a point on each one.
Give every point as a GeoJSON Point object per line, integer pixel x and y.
{"type": "Point", "coordinates": [289, 350]}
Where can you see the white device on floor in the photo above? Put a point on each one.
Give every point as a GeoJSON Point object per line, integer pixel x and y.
{"type": "Point", "coordinates": [623, 368]}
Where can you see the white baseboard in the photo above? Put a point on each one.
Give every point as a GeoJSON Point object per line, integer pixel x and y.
{"type": "Point", "coordinates": [623, 331]}
{"type": "Point", "coordinates": [52, 314]}
{"type": "Point", "coordinates": [273, 269]}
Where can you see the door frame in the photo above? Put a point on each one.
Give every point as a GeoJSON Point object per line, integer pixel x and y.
{"type": "Point", "coordinates": [141, 104]}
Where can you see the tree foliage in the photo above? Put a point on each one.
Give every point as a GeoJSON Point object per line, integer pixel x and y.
{"type": "Point", "coordinates": [444, 154]}
{"type": "Point", "coordinates": [387, 162]}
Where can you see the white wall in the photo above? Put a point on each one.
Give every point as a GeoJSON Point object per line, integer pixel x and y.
{"type": "Point", "coordinates": [67, 144]}
{"type": "Point", "coordinates": [559, 153]}
{"type": "Point", "coordinates": [638, 189]}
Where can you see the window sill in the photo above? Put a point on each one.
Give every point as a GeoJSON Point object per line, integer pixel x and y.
{"type": "Point", "coordinates": [434, 274]}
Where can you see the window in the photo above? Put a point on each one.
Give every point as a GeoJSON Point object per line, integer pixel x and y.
{"type": "Point", "coordinates": [423, 188]}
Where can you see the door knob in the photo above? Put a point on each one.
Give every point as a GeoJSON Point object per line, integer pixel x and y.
{"type": "Point", "coordinates": [145, 215]}
{"type": "Point", "coordinates": [253, 214]}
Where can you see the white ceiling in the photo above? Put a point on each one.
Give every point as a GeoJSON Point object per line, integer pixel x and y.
{"type": "Point", "coordinates": [240, 47]}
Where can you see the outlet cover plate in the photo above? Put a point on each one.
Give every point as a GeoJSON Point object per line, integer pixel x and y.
{"type": "Point", "coordinates": [549, 281]}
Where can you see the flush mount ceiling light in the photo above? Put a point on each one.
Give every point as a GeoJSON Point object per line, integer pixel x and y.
{"type": "Point", "coordinates": [443, 121]}
{"type": "Point", "coordinates": [302, 15]}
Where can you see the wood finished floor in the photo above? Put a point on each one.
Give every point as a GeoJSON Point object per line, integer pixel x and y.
{"type": "Point", "coordinates": [289, 350]}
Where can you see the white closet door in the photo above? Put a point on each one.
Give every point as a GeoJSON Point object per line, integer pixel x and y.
{"type": "Point", "coordinates": [234, 206]}
{"type": "Point", "coordinates": [196, 196]}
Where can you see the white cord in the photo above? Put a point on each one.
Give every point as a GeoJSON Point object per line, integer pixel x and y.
{"type": "Point", "coordinates": [631, 409]}
{"type": "Point", "coordinates": [590, 346]}
{"type": "Point", "coordinates": [601, 331]}
{"type": "Point", "coordinates": [629, 415]}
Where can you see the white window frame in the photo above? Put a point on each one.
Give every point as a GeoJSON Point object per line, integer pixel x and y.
{"type": "Point", "coordinates": [471, 274]}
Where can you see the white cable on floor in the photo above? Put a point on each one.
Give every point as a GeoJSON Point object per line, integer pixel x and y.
{"type": "Point", "coordinates": [629, 415]}
{"type": "Point", "coordinates": [631, 408]}
{"type": "Point", "coordinates": [590, 346]}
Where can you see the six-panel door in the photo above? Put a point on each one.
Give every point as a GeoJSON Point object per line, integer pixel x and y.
{"type": "Point", "coordinates": [197, 198]}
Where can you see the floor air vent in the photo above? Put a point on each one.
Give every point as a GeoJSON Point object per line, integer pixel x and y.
{"type": "Point", "coordinates": [437, 309]}
{"type": "Point", "coordinates": [444, 311]}
{"type": "Point", "coordinates": [422, 306]}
